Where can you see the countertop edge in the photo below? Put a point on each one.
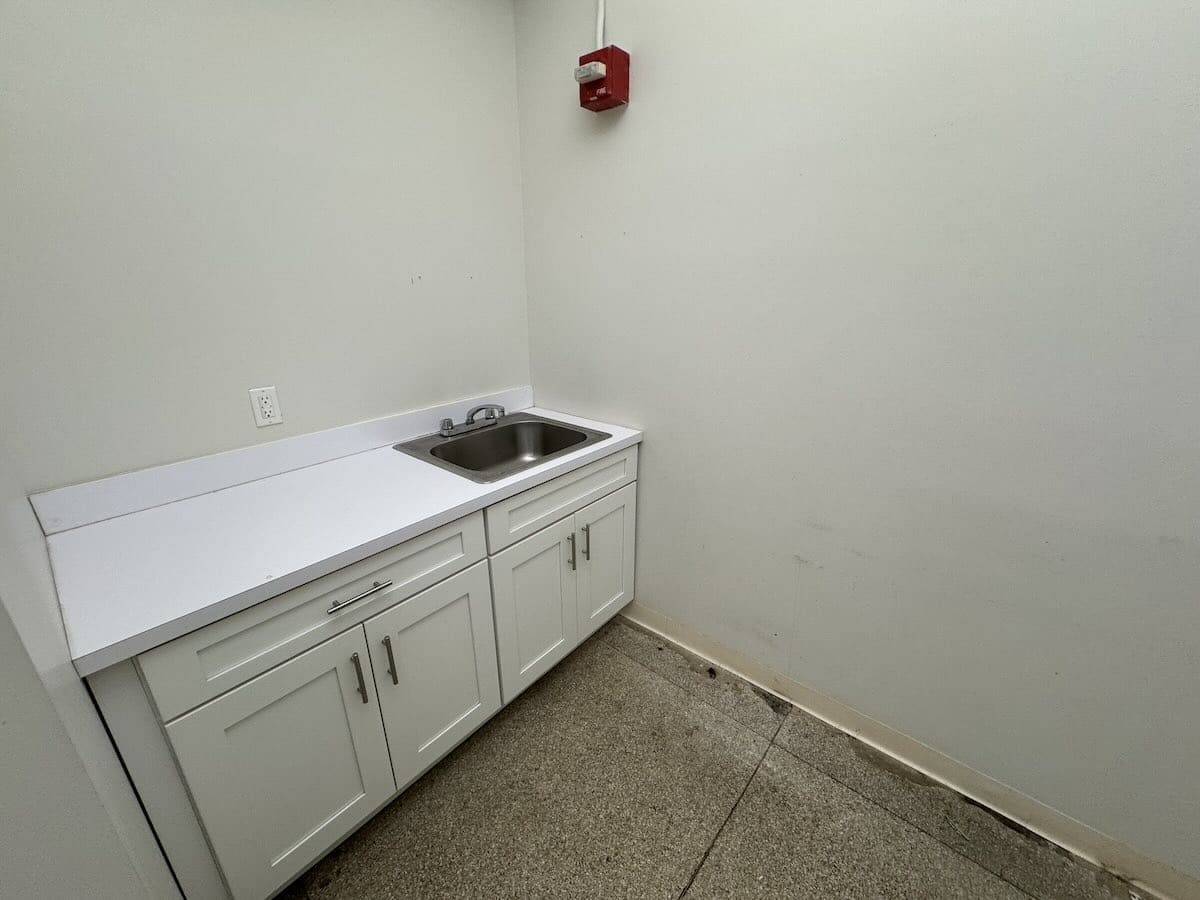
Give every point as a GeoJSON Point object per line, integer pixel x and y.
{"type": "Point", "coordinates": [92, 661]}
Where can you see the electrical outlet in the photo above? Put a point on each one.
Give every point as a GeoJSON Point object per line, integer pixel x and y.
{"type": "Point", "coordinates": [266, 406]}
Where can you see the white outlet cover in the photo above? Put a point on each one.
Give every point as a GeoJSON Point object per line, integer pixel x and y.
{"type": "Point", "coordinates": [265, 404]}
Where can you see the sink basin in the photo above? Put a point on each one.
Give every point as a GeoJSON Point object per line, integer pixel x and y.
{"type": "Point", "coordinates": [513, 444]}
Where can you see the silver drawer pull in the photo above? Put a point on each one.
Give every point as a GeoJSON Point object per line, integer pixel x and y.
{"type": "Point", "coordinates": [373, 589]}
{"type": "Point", "coordinates": [362, 683]}
{"type": "Point", "coordinates": [387, 645]}
{"type": "Point", "coordinates": [571, 541]}
{"type": "Point", "coordinates": [587, 541]}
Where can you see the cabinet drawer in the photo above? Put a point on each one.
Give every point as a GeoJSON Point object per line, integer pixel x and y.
{"type": "Point", "coordinates": [518, 517]}
{"type": "Point", "coordinates": [198, 666]}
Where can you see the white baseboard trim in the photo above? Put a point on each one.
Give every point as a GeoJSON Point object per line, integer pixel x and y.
{"type": "Point", "coordinates": [1151, 877]}
{"type": "Point", "coordinates": [83, 504]}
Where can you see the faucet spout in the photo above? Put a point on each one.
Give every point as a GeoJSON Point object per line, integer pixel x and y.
{"type": "Point", "coordinates": [490, 411]}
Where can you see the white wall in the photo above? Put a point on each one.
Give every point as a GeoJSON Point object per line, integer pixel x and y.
{"type": "Point", "coordinates": [201, 198]}
{"type": "Point", "coordinates": [930, 267]}
{"type": "Point", "coordinates": [55, 837]}
{"type": "Point", "coordinates": [71, 825]}
{"type": "Point", "coordinates": [904, 295]}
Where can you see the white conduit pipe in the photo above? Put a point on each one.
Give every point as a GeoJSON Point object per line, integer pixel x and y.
{"type": "Point", "coordinates": [599, 24]}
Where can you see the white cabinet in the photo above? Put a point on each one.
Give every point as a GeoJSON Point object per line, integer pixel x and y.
{"type": "Point", "coordinates": [556, 587]}
{"type": "Point", "coordinates": [199, 666]}
{"type": "Point", "coordinates": [530, 511]}
{"type": "Point", "coordinates": [533, 591]}
{"type": "Point", "coordinates": [286, 725]}
{"type": "Point", "coordinates": [434, 658]}
{"type": "Point", "coordinates": [283, 767]}
{"type": "Point", "coordinates": [605, 575]}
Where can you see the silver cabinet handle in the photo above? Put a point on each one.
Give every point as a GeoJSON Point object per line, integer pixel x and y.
{"type": "Point", "coordinates": [587, 541]}
{"type": "Point", "coordinates": [362, 685]}
{"type": "Point", "coordinates": [387, 645]}
{"type": "Point", "coordinates": [373, 589]}
{"type": "Point", "coordinates": [571, 541]}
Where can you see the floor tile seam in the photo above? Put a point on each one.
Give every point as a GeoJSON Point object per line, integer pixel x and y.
{"type": "Point", "coordinates": [721, 830]}
{"type": "Point", "coordinates": [698, 699]}
{"type": "Point", "coordinates": [774, 743]}
{"type": "Point", "coordinates": [911, 824]}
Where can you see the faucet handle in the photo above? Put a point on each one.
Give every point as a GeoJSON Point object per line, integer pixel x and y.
{"type": "Point", "coordinates": [447, 424]}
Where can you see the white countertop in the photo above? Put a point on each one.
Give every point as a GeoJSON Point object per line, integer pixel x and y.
{"type": "Point", "coordinates": [133, 582]}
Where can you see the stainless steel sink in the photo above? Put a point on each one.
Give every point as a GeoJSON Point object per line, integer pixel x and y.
{"type": "Point", "coordinates": [515, 443]}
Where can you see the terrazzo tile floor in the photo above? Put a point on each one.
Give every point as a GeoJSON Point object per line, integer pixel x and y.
{"type": "Point", "coordinates": [636, 770]}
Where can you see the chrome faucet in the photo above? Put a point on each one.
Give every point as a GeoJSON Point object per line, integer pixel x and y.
{"type": "Point", "coordinates": [492, 413]}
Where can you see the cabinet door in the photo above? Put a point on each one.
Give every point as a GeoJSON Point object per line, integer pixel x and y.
{"type": "Point", "coordinates": [533, 590]}
{"type": "Point", "coordinates": [434, 657]}
{"type": "Point", "coordinates": [606, 542]}
{"type": "Point", "coordinates": [283, 767]}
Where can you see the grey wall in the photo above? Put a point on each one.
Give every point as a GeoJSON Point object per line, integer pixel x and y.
{"type": "Point", "coordinates": [905, 298]}
{"type": "Point", "coordinates": [204, 198]}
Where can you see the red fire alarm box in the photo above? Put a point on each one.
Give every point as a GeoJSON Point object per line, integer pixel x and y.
{"type": "Point", "coordinates": [603, 77]}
